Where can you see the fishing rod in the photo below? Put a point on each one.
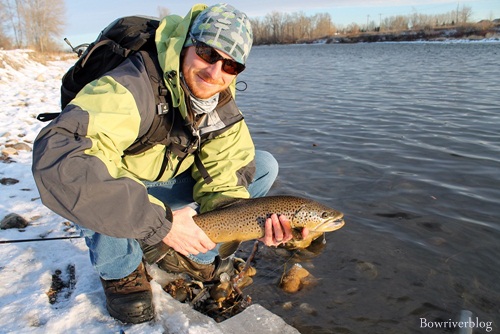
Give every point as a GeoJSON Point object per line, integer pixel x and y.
{"type": "Point", "coordinates": [39, 239]}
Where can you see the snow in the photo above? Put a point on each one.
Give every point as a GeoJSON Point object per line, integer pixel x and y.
{"type": "Point", "coordinates": [28, 88]}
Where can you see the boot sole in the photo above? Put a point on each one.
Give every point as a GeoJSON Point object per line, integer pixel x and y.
{"type": "Point", "coordinates": [137, 316]}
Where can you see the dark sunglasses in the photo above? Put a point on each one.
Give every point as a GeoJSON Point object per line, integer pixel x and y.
{"type": "Point", "coordinates": [211, 56]}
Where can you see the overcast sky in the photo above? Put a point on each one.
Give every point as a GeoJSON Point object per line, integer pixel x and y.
{"type": "Point", "coordinates": [87, 18]}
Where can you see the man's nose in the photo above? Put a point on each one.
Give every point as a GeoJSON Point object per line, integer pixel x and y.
{"type": "Point", "coordinates": [215, 70]}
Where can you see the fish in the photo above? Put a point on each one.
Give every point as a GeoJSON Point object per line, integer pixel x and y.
{"type": "Point", "coordinates": [244, 219]}
{"type": "Point", "coordinates": [239, 220]}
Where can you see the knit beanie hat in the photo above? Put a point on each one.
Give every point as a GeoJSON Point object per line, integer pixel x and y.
{"type": "Point", "coordinates": [224, 28]}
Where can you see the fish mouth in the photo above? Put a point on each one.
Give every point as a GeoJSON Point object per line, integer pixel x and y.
{"type": "Point", "coordinates": [330, 225]}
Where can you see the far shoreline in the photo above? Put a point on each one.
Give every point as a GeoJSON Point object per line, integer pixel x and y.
{"type": "Point", "coordinates": [472, 33]}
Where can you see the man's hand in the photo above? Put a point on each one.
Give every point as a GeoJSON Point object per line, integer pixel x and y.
{"type": "Point", "coordinates": [185, 236]}
{"type": "Point", "coordinates": [278, 231]}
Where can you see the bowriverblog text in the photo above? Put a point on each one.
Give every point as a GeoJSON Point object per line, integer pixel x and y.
{"type": "Point", "coordinates": [450, 324]}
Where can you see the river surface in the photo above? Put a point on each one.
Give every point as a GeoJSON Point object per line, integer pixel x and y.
{"type": "Point", "coordinates": [405, 140]}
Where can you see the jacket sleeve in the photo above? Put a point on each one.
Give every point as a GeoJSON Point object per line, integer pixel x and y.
{"type": "Point", "coordinates": [79, 171]}
{"type": "Point", "coordinates": [229, 160]}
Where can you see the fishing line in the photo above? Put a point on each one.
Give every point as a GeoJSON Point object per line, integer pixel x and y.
{"type": "Point", "coordinates": [39, 239]}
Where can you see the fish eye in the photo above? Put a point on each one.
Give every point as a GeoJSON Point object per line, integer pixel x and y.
{"type": "Point", "coordinates": [325, 214]}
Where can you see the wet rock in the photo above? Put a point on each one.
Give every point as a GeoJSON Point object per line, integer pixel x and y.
{"type": "Point", "coordinates": [295, 279]}
{"type": "Point", "coordinates": [287, 306]}
{"type": "Point", "coordinates": [307, 308]}
{"type": "Point", "coordinates": [367, 269]}
{"type": "Point", "coordinates": [13, 220]}
{"type": "Point", "coordinates": [7, 181]}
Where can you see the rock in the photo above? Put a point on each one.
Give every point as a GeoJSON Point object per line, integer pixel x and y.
{"type": "Point", "coordinates": [6, 159]}
{"type": "Point", "coordinates": [40, 78]}
{"type": "Point", "coordinates": [19, 147]}
{"type": "Point", "coordinates": [7, 181]}
{"type": "Point", "coordinates": [295, 279]}
{"type": "Point", "coordinates": [9, 151]}
{"type": "Point", "coordinates": [13, 220]}
{"type": "Point", "coordinates": [306, 308]}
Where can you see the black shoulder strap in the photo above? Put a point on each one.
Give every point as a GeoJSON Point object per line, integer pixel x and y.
{"type": "Point", "coordinates": [161, 126]}
{"type": "Point", "coordinates": [155, 74]}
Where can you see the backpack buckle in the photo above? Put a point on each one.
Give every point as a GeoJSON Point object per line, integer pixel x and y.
{"type": "Point", "coordinates": [162, 108]}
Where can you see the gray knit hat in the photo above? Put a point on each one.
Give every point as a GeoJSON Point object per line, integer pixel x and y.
{"type": "Point", "coordinates": [225, 28]}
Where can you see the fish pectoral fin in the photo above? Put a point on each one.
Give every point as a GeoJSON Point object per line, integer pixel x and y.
{"type": "Point", "coordinates": [228, 248]}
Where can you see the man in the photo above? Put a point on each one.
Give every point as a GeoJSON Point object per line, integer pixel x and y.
{"type": "Point", "coordinates": [83, 174]}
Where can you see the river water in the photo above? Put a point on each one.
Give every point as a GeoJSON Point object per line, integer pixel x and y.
{"type": "Point", "coordinates": [403, 138]}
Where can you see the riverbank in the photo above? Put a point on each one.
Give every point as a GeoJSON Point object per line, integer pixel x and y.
{"type": "Point", "coordinates": [468, 33]}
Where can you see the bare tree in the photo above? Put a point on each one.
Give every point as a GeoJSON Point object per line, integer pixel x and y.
{"type": "Point", "coordinates": [465, 14]}
{"type": "Point", "coordinates": [163, 11]}
{"type": "Point", "coordinates": [275, 21]}
{"type": "Point", "coordinates": [10, 10]}
{"type": "Point", "coordinates": [4, 38]}
{"type": "Point", "coordinates": [43, 21]}
{"type": "Point", "coordinates": [323, 26]}
{"type": "Point", "coordinates": [36, 23]}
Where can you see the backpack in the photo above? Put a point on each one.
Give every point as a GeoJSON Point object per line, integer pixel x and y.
{"type": "Point", "coordinates": [119, 40]}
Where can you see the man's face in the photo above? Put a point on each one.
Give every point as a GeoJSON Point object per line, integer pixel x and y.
{"type": "Point", "coordinates": [204, 79]}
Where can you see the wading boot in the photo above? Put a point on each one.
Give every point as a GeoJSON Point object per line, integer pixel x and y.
{"type": "Point", "coordinates": [176, 263]}
{"type": "Point", "coordinates": [129, 299]}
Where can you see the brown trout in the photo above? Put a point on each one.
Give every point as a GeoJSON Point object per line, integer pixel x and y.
{"type": "Point", "coordinates": [244, 219]}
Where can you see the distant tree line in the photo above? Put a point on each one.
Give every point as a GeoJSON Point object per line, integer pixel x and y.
{"type": "Point", "coordinates": [34, 24]}
{"type": "Point", "coordinates": [277, 27]}
{"type": "Point", "coordinates": [284, 28]}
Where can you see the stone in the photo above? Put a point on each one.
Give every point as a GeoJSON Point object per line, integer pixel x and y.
{"type": "Point", "coordinates": [13, 220]}
{"type": "Point", "coordinates": [19, 146]}
{"type": "Point", "coordinates": [295, 279]}
{"type": "Point", "coordinates": [9, 151]}
{"type": "Point", "coordinates": [7, 181]}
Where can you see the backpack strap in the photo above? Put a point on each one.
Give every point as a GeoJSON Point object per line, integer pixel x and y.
{"type": "Point", "coordinates": [159, 131]}
{"type": "Point", "coordinates": [201, 168]}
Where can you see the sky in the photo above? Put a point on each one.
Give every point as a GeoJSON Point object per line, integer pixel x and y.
{"type": "Point", "coordinates": [85, 19]}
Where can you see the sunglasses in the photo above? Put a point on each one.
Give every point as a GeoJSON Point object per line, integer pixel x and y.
{"type": "Point", "coordinates": [211, 56]}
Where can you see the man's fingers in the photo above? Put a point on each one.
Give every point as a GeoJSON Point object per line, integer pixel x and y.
{"type": "Point", "coordinates": [277, 230]}
{"type": "Point", "coordinates": [287, 228]}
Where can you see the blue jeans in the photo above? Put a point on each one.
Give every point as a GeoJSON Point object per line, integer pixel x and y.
{"type": "Point", "coordinates": [115, 258]}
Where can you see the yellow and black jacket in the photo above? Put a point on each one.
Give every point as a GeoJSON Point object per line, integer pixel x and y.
{"type": "Point", "coordinates": [79, 163]}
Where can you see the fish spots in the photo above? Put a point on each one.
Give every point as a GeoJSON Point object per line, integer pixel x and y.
{"type": "Point", "coordinates": [245, 219]}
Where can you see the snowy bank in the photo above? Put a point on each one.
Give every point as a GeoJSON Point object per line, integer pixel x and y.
{"type": "Point", "coordinates": [28, 88]}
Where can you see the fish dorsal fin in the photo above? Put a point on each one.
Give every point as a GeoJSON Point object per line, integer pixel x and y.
{"type": "Point", "coordinates": [228, 248]}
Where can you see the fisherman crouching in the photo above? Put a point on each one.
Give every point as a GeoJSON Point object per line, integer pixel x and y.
{"type": "Point", "coordinates": [121, 201]}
